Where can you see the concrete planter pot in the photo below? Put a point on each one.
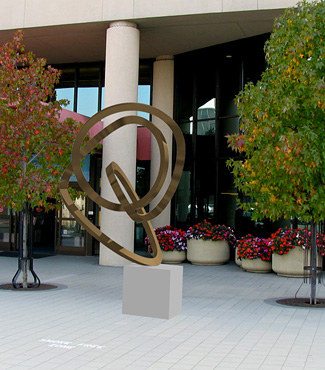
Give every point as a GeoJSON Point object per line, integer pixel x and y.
{"type": "Point", "coordinates": [291, 264]}
{"type": "Point", "coordinates": [256, 265]}
{"type": "Point", "coordinates": [237, 259]}
{"type": "Point", "coordinates": [173, 256]}
{"type": "Point", "coordinates": [208, 252]}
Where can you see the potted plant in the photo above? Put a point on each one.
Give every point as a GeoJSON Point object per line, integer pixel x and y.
{"type": "Point", "coordinates": [291, 251]}
{"type": "Point", "coordinates": [172, 242]}
{"type": "Point", "coordinates": [209, 244]}
{"type": "Point", "coordinates": [255, 254]}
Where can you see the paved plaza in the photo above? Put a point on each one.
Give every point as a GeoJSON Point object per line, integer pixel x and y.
{"type": "Point", "coordinates": [229, 320]}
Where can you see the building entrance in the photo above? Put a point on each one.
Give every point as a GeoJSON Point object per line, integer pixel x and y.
{"type": "Point", "coordinates": [51, 232]}
{"type": "Point", "coordinates": [70, 236]}
{"type": "Point", "coordinates": [43, 232]}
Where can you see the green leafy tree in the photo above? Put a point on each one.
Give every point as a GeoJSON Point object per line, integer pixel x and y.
{"type": "Point", "coordinates": [282, 129]}
{"type": "Point", "coordinates": [35, 145]}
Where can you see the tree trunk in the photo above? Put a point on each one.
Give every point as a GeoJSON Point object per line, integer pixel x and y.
{"type": "Point", "coordinates": [24, 219]}
{"type": "Point", "coordinates": [25, 258]}
{"type": "Point", "coordinates": [313, 264]}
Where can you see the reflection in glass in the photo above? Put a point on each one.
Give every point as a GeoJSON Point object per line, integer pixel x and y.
{"type": "Point", "coordinates": [183, 209]}
{"type": "Point", "coordinates": [206, 118]}
{"type": "Point", "coordinates": [66, 93]}
{"type": "Point", "coordinates": [87, 101]}
{"type": "Point", "coordinates": [103, 99]}
{"type": "Point", "coordinates": [187, 127]}
{"type": "Point", "coordinates": [79, 202]}
{"type": "Point", "coordinates": [144, 98]}
{"type": "Point", "coordinates": [228, 126]}
{"type": "Point", "coordinates": [72, 234]}
{"type": "Point", "coordinates": [85, 167]}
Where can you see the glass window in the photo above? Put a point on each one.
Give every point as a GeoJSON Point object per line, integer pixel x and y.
{"type": "Point", "coordinates": [103, 99]}
{"type": "Point", "coordinates": [68, 75]}
{"type": "Point", "coordinates": [229, 85]}
{"type": "Point", "coordinates": [87, 101]}
{"type": "Point", "coordinates": [184, 70]}
{"type": "Point", "coordinates": [72, 234]}
{"type": "Point", "coordinates": [187, 127]}
{"type": "Point", "coordinates": [66, 93]}
{"type": "Point", "coordinates": [144, 98]}
{"type": "Point", "coordinates": [227, 126]}
{"type": "Point", "coordinates": [80, 204]}
{"type": "Point", "coordinates": [205, 176]}
{"type": "Point", "coordinates": [85, 167]}
{"type": "Point", "coordinates": [183, 207]}
{"type": "Point", "coordinates": [88, 75]}
{"type": "Point", "coordinates": [206, 114]}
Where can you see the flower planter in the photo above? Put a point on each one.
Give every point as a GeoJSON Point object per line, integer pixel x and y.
{"type": "Point", "coordinates": [237, 259]}
{"type": "Point", "coordinates": [173, 240]}
{"type": "Point", "coordinates": [173, 256]}
{"type": "Point", "coordinates": [290, 264]}
{"type": "Point", "coordinates": [208, 252]}
{"type": "Point", "coordinates": [256, 265]}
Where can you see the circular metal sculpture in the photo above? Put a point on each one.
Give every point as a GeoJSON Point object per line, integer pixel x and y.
{"type": "Point", "coordinates": [116, 177]}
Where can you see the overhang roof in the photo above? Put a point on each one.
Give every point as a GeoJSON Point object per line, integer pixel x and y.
{"type": "Point", "coordinates": [158, 36]}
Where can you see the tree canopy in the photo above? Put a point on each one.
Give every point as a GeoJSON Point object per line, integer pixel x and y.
{"type": "Point", "coordinates": [35, 145]}
{"type": "Point", "coordinates": [282, 122]}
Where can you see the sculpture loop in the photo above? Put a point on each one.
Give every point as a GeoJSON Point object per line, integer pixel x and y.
{"type": "Point", "coordinates": [119, 181]}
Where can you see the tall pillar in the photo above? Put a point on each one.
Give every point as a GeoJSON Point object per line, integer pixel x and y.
{"type": "Point", "coordinates": [121, 86]}
{"type": "Point", "coordinates": [163, 99]}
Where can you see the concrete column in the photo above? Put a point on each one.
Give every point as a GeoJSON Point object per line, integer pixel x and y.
{"type": "Point", "coordinates": [162, 98]}
{"type": "Point", "coordinates": [121, 85]}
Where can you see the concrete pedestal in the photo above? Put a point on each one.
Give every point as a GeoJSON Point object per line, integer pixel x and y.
{"type": "Point", "coordinates": [152, 291]}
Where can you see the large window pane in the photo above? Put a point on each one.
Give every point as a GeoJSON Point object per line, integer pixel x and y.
{"type": "Point", "coordinates": [183, 207]}
{"type": "Point", "coordinates": [185, 87]}
{"type": "Point", "coordinates": [228, 126]}
{"type": "Point", "coordinates": [89, 75]}
{"type": "Point", "coordinates": [66, 93]}
{"type": "Point", "coordinates": [85, 167]}
{"type": "Point", "coordinates": [187, 127]}
{"type": "Point", "coordinates": [72, 234]}
{"type": "Point", "coordinates": [103, 99]}
{"type": "Point", "coordinates": [205, 176]}
{"type": "Point", "coordinates": [87, 101]}
{"type": "Point", "coordinates": [229, 86]}
{"type": "Point", "coordinates": [80, 204]}
{"type": "Point", "coordinates": [144, 98]}
{"type": "Point", "coordinates": [206, 114]}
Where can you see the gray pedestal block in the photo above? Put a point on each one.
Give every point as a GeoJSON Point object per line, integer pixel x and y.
{"type": "Point", "coordinates": [152, 291]}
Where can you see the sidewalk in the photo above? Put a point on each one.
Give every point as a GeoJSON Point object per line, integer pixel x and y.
{"type": "Point", "coordinates": [229, 321]}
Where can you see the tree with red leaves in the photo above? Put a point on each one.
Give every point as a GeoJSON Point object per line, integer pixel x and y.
{"type": "Point", "coordinates": [35, 145]}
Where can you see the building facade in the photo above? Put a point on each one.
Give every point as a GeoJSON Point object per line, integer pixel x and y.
{"type": "Point", "coordinates": [189, 59]}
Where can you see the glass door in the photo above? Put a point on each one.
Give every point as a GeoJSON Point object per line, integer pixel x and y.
{"type": "Point", "coordinates": [70, 235]}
